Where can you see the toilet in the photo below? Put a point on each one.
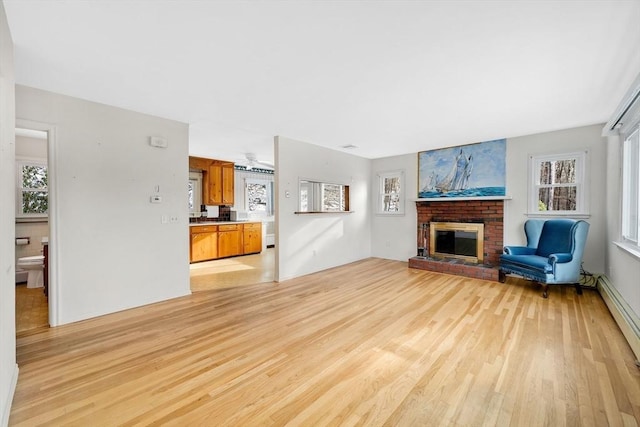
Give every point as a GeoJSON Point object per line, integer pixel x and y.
{"type": "Point", "coordinates": [34, 265]}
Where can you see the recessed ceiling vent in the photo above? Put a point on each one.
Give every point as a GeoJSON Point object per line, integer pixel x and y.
{"type": "Point", "coordinates": [349, 146]}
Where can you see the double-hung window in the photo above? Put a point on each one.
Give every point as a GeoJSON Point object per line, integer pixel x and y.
{"type": "Point", "coordinates": [557, 184]}
{"type": "Point", "coordinates": [259, 197]}
{"type": "Point", "coordinates": [391, 193]}
{"type": "Point", "coordinates": [32, 196]}
{"type": "Point", "coordinates": [631, 188]}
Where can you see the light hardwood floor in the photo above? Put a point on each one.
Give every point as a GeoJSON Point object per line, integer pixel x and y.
{"type": "Point", "coordinates": [32, 309]}
{"type": "Point", "coordinates": [235, 271]}
{"type": "Point", "coordinates": [370, 343]}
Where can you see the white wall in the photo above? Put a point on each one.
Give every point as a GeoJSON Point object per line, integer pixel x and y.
{"type": "Point", "coordinates": [563, 141]}
{"type": "Point", "coordinates": [394, 236]}
{"type": "Point", "coordinates": [313, 242]}
{"type": "Point", "coordinates": [622, 268]}
{"type": "Point", "coordinates": [32, 148]}
{"type": "Point", "coordinates": [8, 367]}
{"type": "Point", "coordinates": [109, 248]}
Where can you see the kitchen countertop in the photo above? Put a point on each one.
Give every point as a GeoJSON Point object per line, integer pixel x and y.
{"type": "Point", "coordinates": [192, 224]}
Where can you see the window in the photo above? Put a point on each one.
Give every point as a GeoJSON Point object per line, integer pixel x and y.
{"type": "Point", "coordinates": [558, 185]}
{"type": "Point", "coordinates": [391, 193]}
{"type": "Point", "coordinates": [323, 197]}
{"type": "Point", "coordinates": [32, 189]}
{"type": "Point", "coordinates": [259, 197]}
{"type": "Point", "coordinates": [195, 193]}
{"type": "Point", "coordinates": [631, 188]}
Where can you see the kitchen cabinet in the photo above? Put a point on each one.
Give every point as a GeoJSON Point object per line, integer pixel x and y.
{"type": "Point", "coordinates": [217, 180]}
{"type": "Point", "coordinates": [199, 163]}
{"type": "Point", "coordinates": [222, 240]}
{"type": "Point", "coordinates": [220, 182]}
{"type": "Point", "coordinates": [252, 237]}
{"type": "Point", "coordinates": [228, 184]}
{"type": "Point", "coordinates": [230, 240]}
{"type": "Point", "coordinates": [204, 243]}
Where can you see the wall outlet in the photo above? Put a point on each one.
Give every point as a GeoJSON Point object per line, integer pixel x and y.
{"type": "Point", "coordinates": [173, 219]}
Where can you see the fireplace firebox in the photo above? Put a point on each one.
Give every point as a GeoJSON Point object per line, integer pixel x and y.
{"type": "Point", "coordinates": [457, 240]}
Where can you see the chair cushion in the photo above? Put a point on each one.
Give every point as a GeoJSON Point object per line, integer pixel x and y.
{"type": "Point", "coordinates": [527, 262]}
{"type": "Point", "coordinates": [556, 237]}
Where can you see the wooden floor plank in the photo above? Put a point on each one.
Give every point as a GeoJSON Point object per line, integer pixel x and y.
{"type": "Point", "coordinates": [370, 343]}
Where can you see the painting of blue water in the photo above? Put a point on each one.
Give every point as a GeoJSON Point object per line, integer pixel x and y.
{"type": "Point", "coordinates": [474, 170]}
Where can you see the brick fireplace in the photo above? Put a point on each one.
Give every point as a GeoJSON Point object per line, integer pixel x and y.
{"type": "Point", "coordinates": [487, 212]}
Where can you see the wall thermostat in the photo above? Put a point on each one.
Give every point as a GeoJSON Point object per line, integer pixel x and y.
{"type": "Point", "coordinates": [157, 141]}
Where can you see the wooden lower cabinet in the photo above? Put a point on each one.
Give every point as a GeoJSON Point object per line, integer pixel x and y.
{"type": "Point", "coordinates": [204, 243]}
{"type": "Point", "coordinates": [209, 242]}
{"type": "Point", "coordinates": [252, 236]}
{"type": "Point", "coordinates": [230, 240]}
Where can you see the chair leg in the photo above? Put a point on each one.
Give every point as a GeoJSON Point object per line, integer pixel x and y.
{"type": "Point", "coordinates": [502, 277]}
{"type": "Point", "coordinates": [545, 290]}
{"type": "Point", "coordinates": [578, 289]}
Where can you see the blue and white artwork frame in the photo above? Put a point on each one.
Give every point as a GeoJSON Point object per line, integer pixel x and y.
{"type": "Point", "coordinates": [466, 171]}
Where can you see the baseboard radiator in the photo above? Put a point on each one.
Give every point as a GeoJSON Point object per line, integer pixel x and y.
{"type": "Point", "coordinates": [626, 319]}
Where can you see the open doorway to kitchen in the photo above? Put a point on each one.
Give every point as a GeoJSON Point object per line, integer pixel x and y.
{"type": "Point", "coordinates": [254, 200]}
{"type": "Point", "coordinates": [32, 226]}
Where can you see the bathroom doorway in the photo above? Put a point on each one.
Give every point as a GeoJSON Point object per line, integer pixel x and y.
{"type": "Point", "coordinates": [32, 228]}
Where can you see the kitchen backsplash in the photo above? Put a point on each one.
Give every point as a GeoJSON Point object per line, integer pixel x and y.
{"type": "Point", "coordinates": [224, 214]}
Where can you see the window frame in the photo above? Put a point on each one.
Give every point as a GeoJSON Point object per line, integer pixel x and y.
{"type": "Point", "coordinates": [270, 194]}
{"type": "Point", "coordinates": [20, 163]}
{"type": "Point", "coordinates": [627, 188]}
{"type": "Point", "coordinates": [195, 177]}
{"type": "Point", "coordinates": [382, 176]}
{"type": "Point", "coordinates": [581, 184]}
{"type": "Point", "coordinates": [311, 197]}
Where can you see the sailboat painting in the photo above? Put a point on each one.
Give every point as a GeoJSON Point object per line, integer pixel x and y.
{"type": "Point", "coordinates": [467, 171]}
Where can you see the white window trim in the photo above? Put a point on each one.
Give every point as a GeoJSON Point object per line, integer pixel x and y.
{"type": "Point", "coordinates": [582, 185]}
{"type": "Point", "coordinates": [196, 177]}
{"type": "Point", "coordinates": [269, 186]}
{"type": "Point", "coordinates": [22, 161]}
{"type": "Point", "coordinates": [380, 199]}
{"type": "Point", "coordinates": [626, 242]}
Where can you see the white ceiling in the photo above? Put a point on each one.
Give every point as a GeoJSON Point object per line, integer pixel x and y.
{"type": "Point", "coordinates": [391, 77]}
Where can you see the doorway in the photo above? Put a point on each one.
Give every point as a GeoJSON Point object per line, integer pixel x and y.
{"type": "Point", "coordinates": [32, 228]}
{"type": "Point", "coordinates": [253, 195]}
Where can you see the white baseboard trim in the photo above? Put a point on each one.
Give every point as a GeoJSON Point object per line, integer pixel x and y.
{"type": "Point", "coordinates": [624, 316]}
{"type": "Point", "coordinates": [6, 411]}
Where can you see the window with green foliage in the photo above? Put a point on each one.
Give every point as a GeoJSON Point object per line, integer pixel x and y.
{"type": "Point", "coordinates": [33, 189]}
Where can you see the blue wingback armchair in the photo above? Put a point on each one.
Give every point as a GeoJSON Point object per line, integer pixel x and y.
{"type": "Point", "coordinates": [553, 254]}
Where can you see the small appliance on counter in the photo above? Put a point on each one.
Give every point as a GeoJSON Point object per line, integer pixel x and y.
{"type": "Point", "coordinates": [238, 215]}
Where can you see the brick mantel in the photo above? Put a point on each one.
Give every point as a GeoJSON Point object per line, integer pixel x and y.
{"type": "Point", "coordinates": [488, 212]}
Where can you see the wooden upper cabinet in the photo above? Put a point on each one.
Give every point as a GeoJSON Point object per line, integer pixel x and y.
{"type": "Point", "coordinates": [217, 180]}
{"type": "Point", "coordinates": [199, 163]}
{"type": "Point", "coordinates": [228, 184]}
{"type": "Point", "coordinates": [214, 179]}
